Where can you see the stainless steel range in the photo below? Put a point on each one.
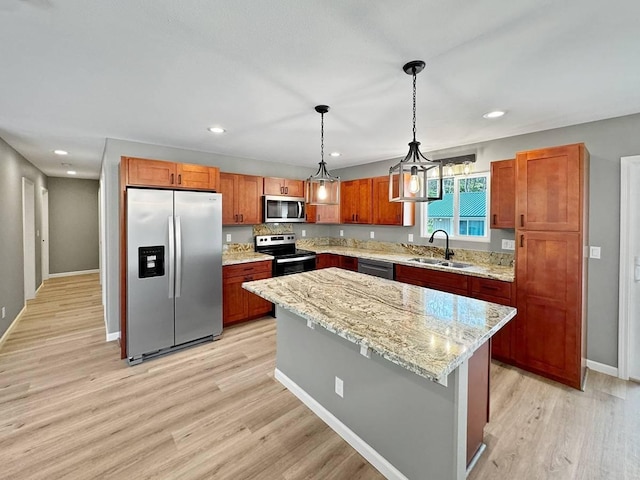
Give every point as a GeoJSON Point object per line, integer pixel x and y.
{"type": "Point", "coordinates": [287, 259]}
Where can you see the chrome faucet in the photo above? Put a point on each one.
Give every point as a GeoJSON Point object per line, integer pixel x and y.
{"type": "Point", "coordinates": [447, 253]}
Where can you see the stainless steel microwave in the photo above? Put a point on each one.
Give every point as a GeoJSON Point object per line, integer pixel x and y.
{"type": "Point", "coordinates": [283, 209]}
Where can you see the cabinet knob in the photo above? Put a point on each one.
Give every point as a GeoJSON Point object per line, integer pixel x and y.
{"type": "Point", "coordinates": [495, 218]}
{"type": "Point", "coordinates": [172, 178]}
{"type": "Point", "coordinates": [179, 179]}
{"type": "Point", "coordinates": [522, 220]}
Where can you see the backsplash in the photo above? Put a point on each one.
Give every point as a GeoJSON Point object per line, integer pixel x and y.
{"type": "Point", "coordinates": [461, 255]}
{"type": "Point", "coordinates": [272, 228]}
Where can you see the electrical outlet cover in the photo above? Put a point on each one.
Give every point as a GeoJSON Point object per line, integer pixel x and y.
{"type": "Point", "coordinates": [304, 233]}
{"type": "Point", "coordinates": [342, 233]}
{"type": "Point", "coordinates": [339, 387]}
{"type": "Point", "coordinates": [228, 237]}
{"type": "Point", "coordinates": [411, 237]}
{"type": "Point", "coordinates": [372, 234]}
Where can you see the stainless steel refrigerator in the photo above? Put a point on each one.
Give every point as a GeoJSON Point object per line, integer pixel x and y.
{"type": "Point", "coordinates": [174, 270]}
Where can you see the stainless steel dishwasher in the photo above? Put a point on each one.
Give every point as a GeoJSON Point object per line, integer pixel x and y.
{"type": "Point", "coordinates": [377, 268]}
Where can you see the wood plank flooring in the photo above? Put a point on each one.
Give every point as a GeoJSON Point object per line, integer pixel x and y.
{"type": "Point", "coordinates": [70, 408]}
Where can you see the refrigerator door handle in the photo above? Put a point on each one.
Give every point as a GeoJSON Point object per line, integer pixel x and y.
{"type": "Point", "coordinates": [178, 256]}
{"type": "Point", "coordinates": [169, 260]}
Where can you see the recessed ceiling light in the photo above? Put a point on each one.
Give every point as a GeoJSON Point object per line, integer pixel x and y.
{"type": "Point", "coordinates": [335, 154]}
{"type": "Point", "coordinates": [71, 172]}
{"type": "Point", "coordinates": [494, 114]}
{"type": "Point", "coordinates": [216, 129]}
{"type": "Point", "coordinates": [61, 152]}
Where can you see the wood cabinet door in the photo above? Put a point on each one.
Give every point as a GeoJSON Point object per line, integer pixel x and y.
{"type": "Point", "coordinates": [273, 186]}
{"type": "Point", "coordinates": [327, 213]}
{"type": "Point", "coordinates": [364, 209]}
{"type": "Point", "coordinates": [549, 189]}
{"type": "Point", "coordinates": [248, 196]}
{"type": "Point", "coordinates": [348, 201]}
{"type": "Point", "coordinates": [234, 301]}
{"type": "Point", "coordinates": [294, 188]}
{"type": "Point", "coordinates": [258, 306]}
{"type": "Point", "coordinates": [348, 263]}
{"type": "Point", "coordinates": [503, 194]}
{"type": "Point", "coordinates": [197, 176]}
{"type": "Point", "coordinates": [227, 189]}
{"type": "Point", "coordinates": [548, 328]}
{"type": "Point", "coordinates": [386, 212]}
{"type": "Point", "coordinates": [151, 173]}
{"type": "Point", "coordinates": [310, 213]}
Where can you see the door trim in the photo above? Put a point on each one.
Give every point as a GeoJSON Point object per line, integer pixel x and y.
{"type": "Point", "coordinates": [44, 231]}
{"type": "Point", "coordinates": [624, 315]}
{"type": "Point", "coordinates": [28, 239]}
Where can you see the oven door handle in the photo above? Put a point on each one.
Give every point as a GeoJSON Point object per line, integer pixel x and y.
{"type": "Point", "coordinates": [297, 259]}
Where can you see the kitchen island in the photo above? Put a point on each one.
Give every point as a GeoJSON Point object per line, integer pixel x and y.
{"type": "Point", "coordinates": [385, 364]}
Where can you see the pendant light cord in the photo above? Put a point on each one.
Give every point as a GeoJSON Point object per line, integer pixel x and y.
{"type": "Point", "coordinates": [414, 105]}
{"type": "Point", "coordinates": [322, 137]}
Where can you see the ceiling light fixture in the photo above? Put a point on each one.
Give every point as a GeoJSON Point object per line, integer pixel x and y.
{"type": "Point", "coordinates": [323, 188]}
{"type": "Point", "coordinates": [61, 152]}
{"type": "Point", "coordinates": [71, 172]}
{"type": "Point", "coordinates": [216, 129]}
{"type": "Point", "coordinates": [494, 114]}
{"type": "Point", "coordinates": [408, 180]}
{"type": "Point", "coordinates": [335, 154]}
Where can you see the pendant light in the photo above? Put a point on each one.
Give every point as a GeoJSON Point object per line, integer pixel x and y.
{"type": "Point", "coordinates": [409, 179]}
{"type": "Point", "coordinates": [323, 188]}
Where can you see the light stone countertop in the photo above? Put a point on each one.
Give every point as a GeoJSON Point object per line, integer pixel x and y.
{"type": "Point", "coordinates": [496, 272]}
{"type": "Point", "coordinates": [234, 258]}
{"type": "Point", "coordinates": [425, 331]}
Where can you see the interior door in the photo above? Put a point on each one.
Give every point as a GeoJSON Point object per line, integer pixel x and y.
{"type": "Point", "coordinates": [29, 238]}
{"type": "Point", "coordinates": [198, 217]}
{"type": "Point", "coordinates": [629, 349]}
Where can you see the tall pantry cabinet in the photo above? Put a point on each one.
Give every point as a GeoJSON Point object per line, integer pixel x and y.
{"type": "Point", "coordinates": [551, 267]}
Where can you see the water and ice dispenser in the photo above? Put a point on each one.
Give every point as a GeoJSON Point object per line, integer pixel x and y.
{"type": "Point", "coordinates": [150, 261]}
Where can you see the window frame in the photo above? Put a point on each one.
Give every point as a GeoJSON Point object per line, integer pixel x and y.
{"type": "Point", "coordinates": [424, 219]}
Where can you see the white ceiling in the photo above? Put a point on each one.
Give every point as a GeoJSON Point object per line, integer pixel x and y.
{"type": "Point", "coordinates": [75, 72]}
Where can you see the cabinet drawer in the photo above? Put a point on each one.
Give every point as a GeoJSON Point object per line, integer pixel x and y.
{"type": "Point", "coordinates": [247, 269]}
{"type": "Point", "coordinates": [491, 290]}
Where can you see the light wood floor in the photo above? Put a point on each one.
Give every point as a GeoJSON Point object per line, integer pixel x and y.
{"type": "Point", "coordinates": [70, 408]}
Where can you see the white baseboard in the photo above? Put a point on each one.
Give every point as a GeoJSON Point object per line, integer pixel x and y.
{"type": "Point", "coordinates": [602, 368]}
{"type": "Point", "coordinates": [12, 325]}
{"type": "Point", "coordinates": [70, 274]}
{"type": "Point", "coordinates": [363, 448]}
{"type": "Point", "coordinates": [113, 336]}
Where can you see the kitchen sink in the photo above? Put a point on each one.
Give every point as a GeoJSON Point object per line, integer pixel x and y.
{"type": "Point", "coordinates": [428, 261]}
{"type": "Point", "coordinates": [440, 263]}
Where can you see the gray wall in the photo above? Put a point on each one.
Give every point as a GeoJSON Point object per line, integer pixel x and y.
{"type": "Point", "coordinates": [73, 225]}
{"type": "Point", "coordinates": [114, 149]}
{"type": "Point", "coordinates": [607, 141]}
{"type": "Point", "coordinates": [13, 167]}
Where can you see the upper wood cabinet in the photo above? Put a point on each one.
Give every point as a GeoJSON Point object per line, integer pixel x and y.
{"type": "Point", "coordinates": [158, 173]}
{"type": "Point", "coordinates": [503, 194]}
{"type": "Point", "coordinates": [549, 188]}
{"type": "Point", "coordinates": [241, 195]}
{"type": "Point", "coordinates": [283, 186]}
{"type": "Point", "coordinates": [355, 201]}
{"type": "Point", "coordinates": [390, 213]}
{"type": "Point", "coordinates": [322, 213]}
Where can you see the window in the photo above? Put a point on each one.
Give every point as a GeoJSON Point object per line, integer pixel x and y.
{"type": "Point", "coordinates": [463, 211]}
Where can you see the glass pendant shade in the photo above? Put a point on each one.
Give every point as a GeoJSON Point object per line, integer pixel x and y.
{"type": "Point", "coordinates": [415, 178]}
{"type": "Point", "coordinates": [322, 188]}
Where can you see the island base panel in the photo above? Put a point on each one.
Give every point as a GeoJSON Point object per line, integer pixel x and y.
{"type": "Point", "coordinates": [407, 421]}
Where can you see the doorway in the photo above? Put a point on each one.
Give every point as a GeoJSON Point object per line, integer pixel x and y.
{"type": "Point", "coordinates": [29, 237]}
{"type": "Point", "coordinates": [44, 254]}
{"type": "Point", "coordinates": [629, 330]}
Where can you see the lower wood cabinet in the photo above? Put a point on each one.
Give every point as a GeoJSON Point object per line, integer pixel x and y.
{"type": "Point", "coordinates": [436, 279]}
{"type": "Point", "coordinates": [478, 398]}
{"type": "Point", "coordinates": [238, 304]}
{"type": "Point", "coordinates": [326, 260]}
{"type": "Point", "coordinates": [349, 263]}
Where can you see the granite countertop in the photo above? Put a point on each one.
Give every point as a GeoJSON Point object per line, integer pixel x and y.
{"type": "Point", "coordinates": [496, 272]}
{"type": "Point", "coordinates": [425, 331]}
{"type": "Point", "coordinates": [234, 258]}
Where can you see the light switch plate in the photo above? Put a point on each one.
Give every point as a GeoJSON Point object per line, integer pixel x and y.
{"type": "Point", "coordinates": [508, 244]}
{"type": "Point", "coordinates": [594, 252]}
{"type": "Point", "coordinates": [372, 235]}
{"type": "Point", "coordinates": [3, 312]}
{"type": "Point", "coordinates": [304, 233]}
{"type": "Point", "coordinates": [342, 233]}
{"type": "Point", "coordinates": [411, 237]}
{"type": "Point", "coordinates": [339, 387]}
{"type": "Point", "coordinates": [228, 237]}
